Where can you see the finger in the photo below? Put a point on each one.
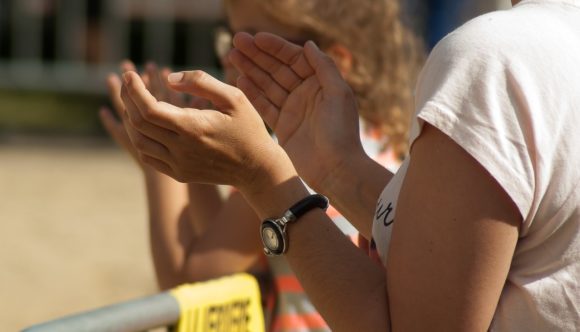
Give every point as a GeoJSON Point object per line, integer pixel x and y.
{"type": "Point", "coordinates": [114, 86]}
{"type": "Point", "coordinates": [146, 145]}
{"type": "Point", "coordinates": [156, 86]}
{"type": "Point", "coordinates": [285, 51]}
{"type": "Point", "coordinates": [271, 89]}
{"type": "Point", "coordinates": [267, 110]}
{"type": "Point", "coordinates": [325, 68]}
{"type": "Point", "coordinates": [199, 83]}
{"type": "Point", "coordinates": [280, 71]}
{"type": "Point", "coordinates": [112, 125]}
{"type": "Point", "coordinates": [127, 65]}
{"type": "Point", "coordinates": [148, 108]}
{"type": "Point", "coordinates": [173, 97]}
{"type": "Point", "coordinates": [133, 117]}
{"type": "Point", "coordinates": [146, 80]}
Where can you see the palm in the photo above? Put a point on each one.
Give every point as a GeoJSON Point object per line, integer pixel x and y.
{"type": "Point", "coordinates": [302, 96]}
{"type": "Point", "coordinates": [315, 127]}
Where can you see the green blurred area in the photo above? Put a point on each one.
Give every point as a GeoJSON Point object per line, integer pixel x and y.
{"type": "Point", "coordinates": [49, 114]}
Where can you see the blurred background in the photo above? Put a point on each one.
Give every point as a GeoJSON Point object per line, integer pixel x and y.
{"type": "Point", "coordinates": [73, 223]}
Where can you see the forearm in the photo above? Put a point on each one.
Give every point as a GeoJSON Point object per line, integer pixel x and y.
{"type": "Point", "coordinates": [339, 278]}
{"type": "Point", "coordinates": [205, 202]}
{"type": "Point", "coordinates": [317, 254]}
{"type": "Point", "coordinates": [354, 188]}
{"type": "Point", "coordinates": [169, 230]}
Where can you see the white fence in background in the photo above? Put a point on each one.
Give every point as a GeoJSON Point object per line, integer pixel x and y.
{"type": "Point", "coordinates": [88, 38]}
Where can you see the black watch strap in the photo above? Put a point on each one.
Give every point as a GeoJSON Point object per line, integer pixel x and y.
{"type": "Point", "coordinates": [308, 203]}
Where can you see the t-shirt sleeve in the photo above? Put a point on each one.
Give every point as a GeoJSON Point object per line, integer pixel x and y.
{"type": "Point", "coordinates": [468, 91]}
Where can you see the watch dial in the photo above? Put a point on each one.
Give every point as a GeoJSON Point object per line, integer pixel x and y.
{"type": "Point", "coordinates": [270, 238]}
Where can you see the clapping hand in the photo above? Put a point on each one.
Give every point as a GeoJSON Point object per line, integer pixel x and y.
{"type": "Point", "coordinates": [301, 95]}
{"type": "Point", "coordinates": [228, 144]}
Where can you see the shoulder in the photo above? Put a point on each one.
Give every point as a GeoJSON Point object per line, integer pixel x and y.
{"type": "Point", "coordinates": [490, 35]}
{"type": "Point", "coordinates": [464, 92]}
{"type": "Point", "coordinates": [523, 31]}
{"type": "Point", "coordinates": [478, 53]}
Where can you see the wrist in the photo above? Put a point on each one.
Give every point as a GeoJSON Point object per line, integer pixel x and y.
{"type": "Point", "coordinates": [274, 187]}
{"type": "Point", "coordinates": [273, 201]}
{"type": "Point", "coordinates": [342, 169]}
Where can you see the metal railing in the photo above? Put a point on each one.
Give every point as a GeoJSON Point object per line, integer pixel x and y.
{"type": "Point", "coordinates": [70, 45]}
{"type": "Point", "coordinates": [228, 304]}
{"type": "Point", "coordinates": [137, 315]}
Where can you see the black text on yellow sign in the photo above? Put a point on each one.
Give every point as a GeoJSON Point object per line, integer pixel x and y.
{"type": "Point", "coordinates": [230, 304]}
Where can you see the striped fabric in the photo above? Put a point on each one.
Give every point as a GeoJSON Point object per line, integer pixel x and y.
{"type": "Point", "coordinates": [288, 306]}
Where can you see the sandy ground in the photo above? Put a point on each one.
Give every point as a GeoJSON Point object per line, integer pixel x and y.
{"type": "Point", "coordinates": [73, 231]}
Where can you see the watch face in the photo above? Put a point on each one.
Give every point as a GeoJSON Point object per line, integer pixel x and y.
{"type": "Point", "coordinates": [272, 238]}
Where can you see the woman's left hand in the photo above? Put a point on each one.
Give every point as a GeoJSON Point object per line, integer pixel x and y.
{"type": "Point", "coordinates": [302, 96]}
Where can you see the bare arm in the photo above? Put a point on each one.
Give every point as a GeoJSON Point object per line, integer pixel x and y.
{"type": "Point", "coordinates": [455, 227]}
{"type": "Point", "coordinates": [205, 202]}
{"type": "Point", "coordinates": [185, 220]}
{"type": "Point", "coordinates": [454, 234]}
{"type": "Point", "coordinates": [194, 247]}
{"type": "Point", "coordinates": [454, 238]}
{"type": "Point", "coordinates": [355, 196]}
{"type": "Point", "coordinates": [169, 231]}
{"type": "Point", "coordinates": [453, 241]}
{"type": "Point", "coordinates": [271, 67]}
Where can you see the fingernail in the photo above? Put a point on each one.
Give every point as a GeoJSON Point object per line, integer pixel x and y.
{"type": "Point", "coordinates": [175, 77]}
{"type": "Point", "coordinates": [313, 44]}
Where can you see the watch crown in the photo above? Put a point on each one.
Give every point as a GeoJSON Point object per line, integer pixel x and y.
{"type": "Point", "coordinates": [268, 252]}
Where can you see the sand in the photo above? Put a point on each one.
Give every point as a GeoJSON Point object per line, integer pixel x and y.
{"type": "Point", "coordinates": [73, 230]}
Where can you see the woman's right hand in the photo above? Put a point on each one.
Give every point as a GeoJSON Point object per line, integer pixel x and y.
{"type": "Point", "coordinates": [301, 95]}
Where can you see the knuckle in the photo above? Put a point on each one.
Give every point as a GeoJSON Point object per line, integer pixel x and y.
{"type": "Point", "coordinates": [196, 77]}
{"type": "Point", "coordinates": [151, 112]}
{"type": "Point", "coordinates": [148, 113]}
{"type": "Point", "coordinates": [237, 96]}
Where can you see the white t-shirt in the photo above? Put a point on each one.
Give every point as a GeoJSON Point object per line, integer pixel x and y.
{"type": "Point", "coordinates": [506, 88]}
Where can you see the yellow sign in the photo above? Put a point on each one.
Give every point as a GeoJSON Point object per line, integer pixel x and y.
{"type": "Point", "coordinates": [228, 304]}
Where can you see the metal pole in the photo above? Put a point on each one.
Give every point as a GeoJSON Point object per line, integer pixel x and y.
{"type": "Point", "coordinates": [138, 315]}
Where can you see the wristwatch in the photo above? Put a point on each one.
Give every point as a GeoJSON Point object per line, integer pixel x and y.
{"type": "Point", "coordinates": [273, 231]}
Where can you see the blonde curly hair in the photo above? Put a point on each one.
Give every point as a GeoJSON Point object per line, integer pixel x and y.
{"type": "Point", "coordinates": [387, 56]}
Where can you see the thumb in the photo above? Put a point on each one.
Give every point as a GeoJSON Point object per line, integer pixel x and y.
{"type": "Point", "coordinates": [201, 84]}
